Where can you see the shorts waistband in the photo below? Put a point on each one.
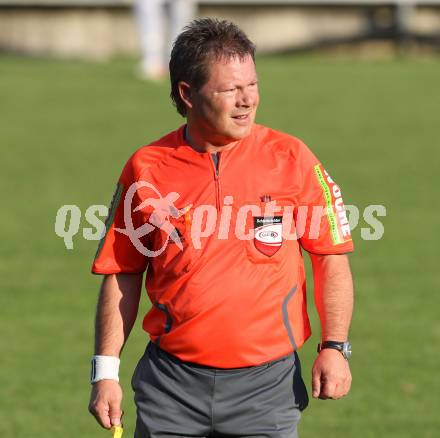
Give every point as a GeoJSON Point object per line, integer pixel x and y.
{"type": "Point", "coordinates": [155, 349]}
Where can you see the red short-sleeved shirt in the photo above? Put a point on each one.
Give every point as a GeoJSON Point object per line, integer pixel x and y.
{"type": "Point", "coordinates": [223, 245]}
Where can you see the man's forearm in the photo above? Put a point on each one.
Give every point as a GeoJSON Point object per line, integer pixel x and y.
{"type": "Point", "coordinates": [333, 291]}
{"type": "Point", "coordinates": [116, 312]}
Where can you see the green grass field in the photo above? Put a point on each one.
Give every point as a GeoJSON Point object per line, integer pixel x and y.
{"type": "Point", "coordinates": [68, 127]}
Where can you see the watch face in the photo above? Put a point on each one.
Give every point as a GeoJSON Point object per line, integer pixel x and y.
{"type": "Point", "coordinates": [346, 350]}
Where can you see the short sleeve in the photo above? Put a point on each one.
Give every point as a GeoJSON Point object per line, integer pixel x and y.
{"type": "Point", "coordinates": [116, 253]}
{"type": "Point", "coordinates": [321, 219]}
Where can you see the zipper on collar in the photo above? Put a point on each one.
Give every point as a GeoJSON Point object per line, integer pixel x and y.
{"type": "Point", "coordinates": [217, 179]}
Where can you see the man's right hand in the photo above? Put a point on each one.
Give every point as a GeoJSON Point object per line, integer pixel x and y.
{"type": "Point", "coordinates": [105, 403]}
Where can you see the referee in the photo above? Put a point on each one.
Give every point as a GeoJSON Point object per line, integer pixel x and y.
{"type": "Point", "coordinates": [221, 211]}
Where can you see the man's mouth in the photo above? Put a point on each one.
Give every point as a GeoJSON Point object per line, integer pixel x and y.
{"type": "Point", "coordinates": [241, 116]}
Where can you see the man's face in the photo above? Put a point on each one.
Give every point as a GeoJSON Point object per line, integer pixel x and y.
{"type": "Point", "coordinates": [224, 109]}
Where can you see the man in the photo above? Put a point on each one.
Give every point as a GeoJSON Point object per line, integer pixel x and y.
{"type": "Point", "coordinates": [159, 22]}
{"type": "Point", "coordinates": [219, 211]}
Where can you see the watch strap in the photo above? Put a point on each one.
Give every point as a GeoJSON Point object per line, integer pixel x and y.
{"type": "Point", "coordinates": [343, 347]}
{"type": "Point", "coordinates": [336, 345]}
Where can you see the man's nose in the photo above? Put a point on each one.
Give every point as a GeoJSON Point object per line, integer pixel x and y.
{"type": "Point", "coordinates": [244, 98]}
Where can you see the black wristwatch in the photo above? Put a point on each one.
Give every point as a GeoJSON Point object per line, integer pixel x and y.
{"type": "Point", "coordinates": [343, 347]}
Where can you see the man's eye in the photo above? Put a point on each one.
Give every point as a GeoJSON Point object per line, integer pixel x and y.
{"type": "Point", "coordinates": [230, 90]}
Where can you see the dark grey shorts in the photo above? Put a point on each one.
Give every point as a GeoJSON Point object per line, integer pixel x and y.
{"type": "Point", "coordinates": [180, 399]}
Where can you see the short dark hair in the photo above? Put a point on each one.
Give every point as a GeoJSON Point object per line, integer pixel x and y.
{"type": "Point", "coordinates": [202, 41]}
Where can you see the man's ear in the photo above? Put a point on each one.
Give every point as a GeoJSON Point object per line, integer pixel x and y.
{"type": "Point", "coordinates": [185, 93]}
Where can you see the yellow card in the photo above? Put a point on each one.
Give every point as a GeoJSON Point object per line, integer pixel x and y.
{"type": "Point", "coordinates": [117, 431]}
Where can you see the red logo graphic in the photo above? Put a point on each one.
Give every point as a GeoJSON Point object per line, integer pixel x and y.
{"type": "Point", "coordinates": [268, 234]}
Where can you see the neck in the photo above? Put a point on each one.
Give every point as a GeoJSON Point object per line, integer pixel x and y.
{"type": "Point", "coordinates": [200, 144]}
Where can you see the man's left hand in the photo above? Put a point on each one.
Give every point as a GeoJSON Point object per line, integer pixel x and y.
{"type": "Point", "coordinates": [331, 376]}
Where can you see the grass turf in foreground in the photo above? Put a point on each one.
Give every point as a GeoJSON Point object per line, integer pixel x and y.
{"type": "Point", "coordinates": [66, 130]}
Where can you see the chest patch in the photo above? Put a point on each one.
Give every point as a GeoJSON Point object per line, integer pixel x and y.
{"type": "Point", "coordinates": [268, 234]}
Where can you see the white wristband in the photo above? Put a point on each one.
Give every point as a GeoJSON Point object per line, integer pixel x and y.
{"type": "Point", "coordinates": [105, 367]}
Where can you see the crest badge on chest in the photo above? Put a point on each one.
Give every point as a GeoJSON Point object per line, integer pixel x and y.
{"type": "Point", "coordinates": [268, 234]}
